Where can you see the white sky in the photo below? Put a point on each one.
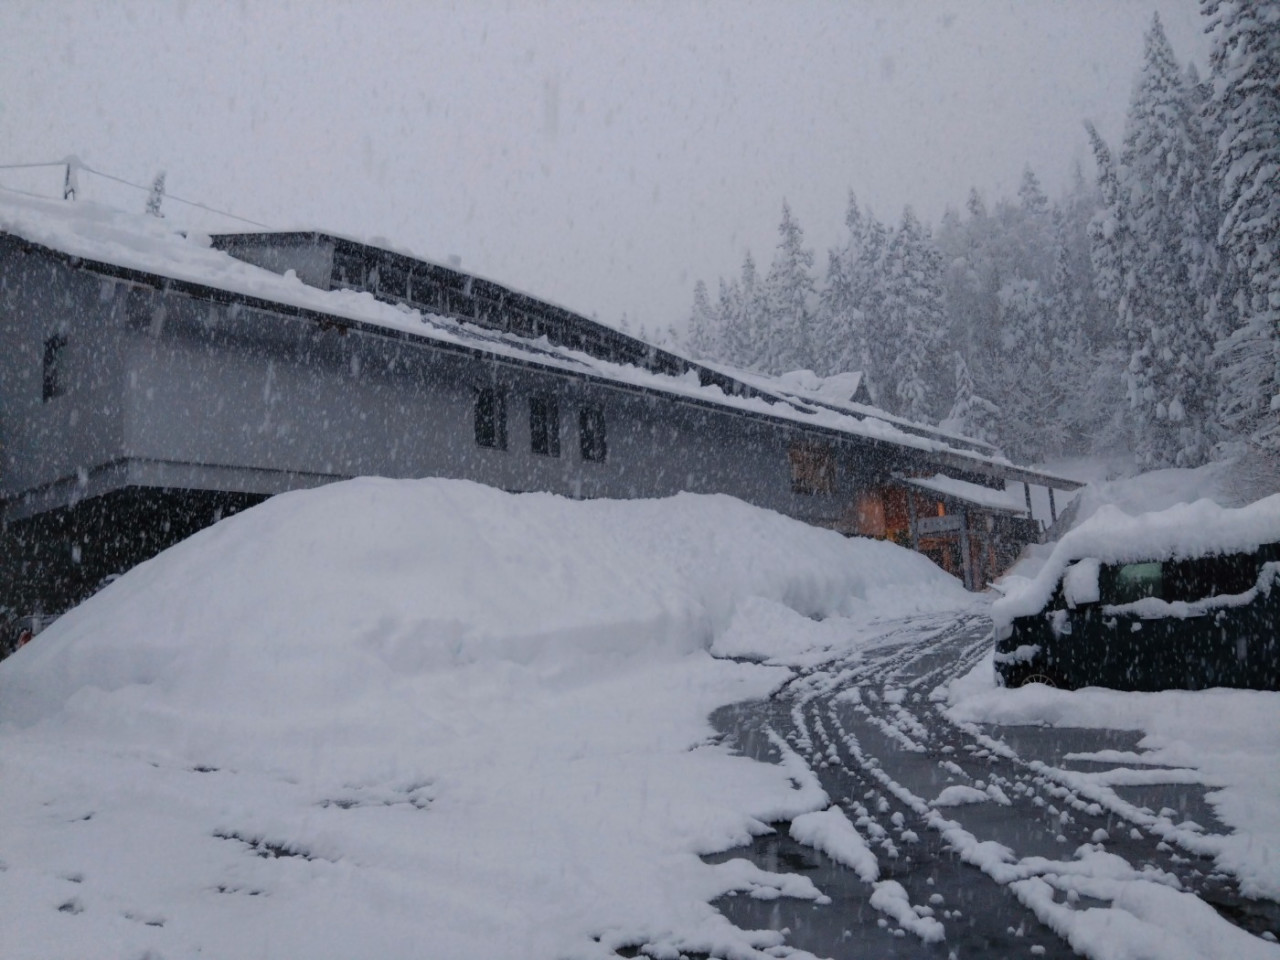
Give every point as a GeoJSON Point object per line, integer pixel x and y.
{"type": "Point", "coordinates": [602, 155]}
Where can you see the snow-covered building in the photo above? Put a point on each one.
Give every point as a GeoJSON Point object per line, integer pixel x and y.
{"type": "Point", "coordinates": [151, 382]}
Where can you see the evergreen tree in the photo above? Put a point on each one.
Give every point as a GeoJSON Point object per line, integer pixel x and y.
{"type": "Point", "coordinates": [1071, 360]}
{"type": "Point", "coordinates": [789, 290]}
{"type": "Point", "coordinates": [1029, 425]}
{"type": "Point", "coordinates": [1244, 116]}
{"type": "Point", "coordinates": [705, 339]}
{"type": "Point", "coordinates": [971, 415]}
{"type": "Point", "coordinates": [1111, 241]}
{"type": "Point", "coordinates": [1031, 195]}
{"type": "Point", "coordinates": [976, 206]}
{"type": "Point", "coordinates": [869, 284]}
{"type": "Point", "coordinates": [840, 334]}
{"type": "Point", "coordinates": [913, 306]}
{"type": "Point", "coordinates": [1168, 287]}
{"type": "Point", "coordinates": [741, 318]}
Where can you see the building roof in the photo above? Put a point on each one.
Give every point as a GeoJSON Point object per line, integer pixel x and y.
{"type": "Point", "coordinates": [147, 250]}
{"type": "Point", "coordinates": [971, 494]}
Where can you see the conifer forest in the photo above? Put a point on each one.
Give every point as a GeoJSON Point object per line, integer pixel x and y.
{"type": "Point", "coordinates": [1138, 311]}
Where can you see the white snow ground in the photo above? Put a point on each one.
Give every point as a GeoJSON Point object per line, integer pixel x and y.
{"type": "Point", "coordinates": [408, 718]}
{"type": "Point", "coordinates": [418, 718]}
{"type": "Point", "coordinates": [1227, 740]}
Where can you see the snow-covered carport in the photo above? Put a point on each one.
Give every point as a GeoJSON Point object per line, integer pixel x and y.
{"type": "Point", "coordinates": [968, 529]}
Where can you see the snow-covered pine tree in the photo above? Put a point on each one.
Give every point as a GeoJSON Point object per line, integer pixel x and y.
{"type": "Point", "coordinates": [868, 284]}
{"type": "Point", "coordinates": [741, 314]}
{"type": "Point", "coordinates": [1031, 195]}
{"type": "Point", "coordinates": [1071, 359]}
{"type": "Point", "coordinates": [706, 338]}
{"type": "Point", "coordinates": [971, 415]}
{"type": "Point", "coordinates": [1167, 303]}
{"type": "Point", "coordinates": [1029, 424]}
{"type": "Point", "coordinates": [156, 197]}
{"type": "Point", "coordinates": [1110, 240]}
{"type": "Point", "coordinates": [840, 335]}
{"type": "Point", "coordinates": [976, 206]}
{"type": "Point", "coordinates": [788, 296]}
{"type": "Point", "coordinates": [913, 307]}
{"type": "Point", "coordinates": [1244, 115]}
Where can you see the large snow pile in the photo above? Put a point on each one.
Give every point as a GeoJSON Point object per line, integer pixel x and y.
{"type": "Point", "coordinates": [416, 718]}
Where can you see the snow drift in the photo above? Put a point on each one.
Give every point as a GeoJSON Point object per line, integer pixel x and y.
{"type": "Point", "coordinates": [408, 718]}
{"type": "Point", "coordinates": [343, 589]}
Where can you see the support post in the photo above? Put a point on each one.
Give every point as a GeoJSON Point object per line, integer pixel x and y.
{"type": "Point", "coordinates": [1027, 489]}
{"type": "Point", "coordinates": [1053, 508]}
{"type": "Point", "coordinates": [966, 562]}
{"type": "Point", "coordinates": [911, 520]}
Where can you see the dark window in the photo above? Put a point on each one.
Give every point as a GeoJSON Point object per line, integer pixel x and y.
{"type": "Point", "coordinates": [349, 270]}
{"type": "Point", "coordinates": [1134, 581]}
{"type": "Point", "coordinates": [813, 468]}
{"type": "Point", "coordinates": [55, 385]}
{"type": "Point", "coordinates": [393, 280]}
{"type": "Point", "coordinates": [491, 418]}
{"type": "Point", "coordinates": [1185, 580]}
{"type": "Point", "coordinates": [544, 426]}
{"type": "Point", "coordinates": [591, 434]}
{"type": "Point", "coordinates": [1197, 579]}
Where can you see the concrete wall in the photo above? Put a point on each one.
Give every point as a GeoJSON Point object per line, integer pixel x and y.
{"type": "Point", "coordinates": [42, 442]}
{"type": "Point", "coordinates": [266, 393]}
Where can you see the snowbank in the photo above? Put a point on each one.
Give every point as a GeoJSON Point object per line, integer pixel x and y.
{"type": "Point", "coordinates": [407, 718]}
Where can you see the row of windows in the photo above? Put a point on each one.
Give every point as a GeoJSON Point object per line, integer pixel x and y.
{"type": "Point", "coordinates": [544, 425]}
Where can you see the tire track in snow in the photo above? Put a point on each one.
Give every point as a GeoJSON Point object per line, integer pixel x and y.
{"type": "Point", "coordinates": [1038, 840]}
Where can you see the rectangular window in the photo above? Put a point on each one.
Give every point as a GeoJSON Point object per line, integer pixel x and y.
{"type": "Point", "coordinates": [544, 426]}
{"type": "Point", "coordinates": [491, 418]}
{"type": "Point", "coordinates": [813, 468]}
{"type": "Point", "coordinates": [54, 384]}
{"type": "Point", "coordinates": [591, 434]}
{"type": "Point", "coordinates": [1134, 581]}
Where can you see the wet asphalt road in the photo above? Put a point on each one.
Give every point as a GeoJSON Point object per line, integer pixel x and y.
{"type": "Point", "coordinates": [883, 755]}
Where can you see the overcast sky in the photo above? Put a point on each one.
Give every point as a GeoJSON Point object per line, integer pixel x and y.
{"type": "Point", "coordinates": [601, 155]}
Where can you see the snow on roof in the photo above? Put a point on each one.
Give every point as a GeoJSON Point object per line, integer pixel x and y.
{"type": "Point", "coordinates": [839, 387]}
{"type": "Point", "coordinates": [1004, 501]}
{"type": "Point", "coordinates": [99, 233]}
{"type": "Point", "coordinates": [808, 387]}
{"type": "Point", "coordinates": [1112, 536]}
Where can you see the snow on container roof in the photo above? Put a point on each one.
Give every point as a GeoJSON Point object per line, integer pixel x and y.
{"type": "Point", "coordinates": [1112, 536]}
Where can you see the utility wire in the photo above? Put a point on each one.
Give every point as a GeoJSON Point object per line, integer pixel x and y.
{"type": "Point", "coordinates": [30, 166]}
{"type": "Point", "coordinates": [106, 176]}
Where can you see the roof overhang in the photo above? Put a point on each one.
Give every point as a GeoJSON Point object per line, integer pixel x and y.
{"type": "Point", "coordinates": [970, 495]}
